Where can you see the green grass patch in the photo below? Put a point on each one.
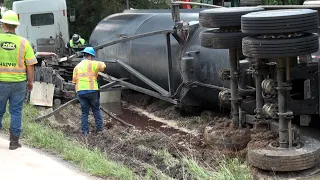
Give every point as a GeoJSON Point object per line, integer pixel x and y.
{"type": "Point", "coordinates": [231, 169]}
{"type": "Point", "coordinates": [44, 137]}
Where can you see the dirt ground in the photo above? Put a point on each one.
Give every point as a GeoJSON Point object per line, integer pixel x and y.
{"type": "Point", "coordinates": [164, 152]}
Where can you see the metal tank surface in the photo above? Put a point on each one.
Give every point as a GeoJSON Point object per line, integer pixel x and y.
{"type": "Point", "coordinates": [148, 55]}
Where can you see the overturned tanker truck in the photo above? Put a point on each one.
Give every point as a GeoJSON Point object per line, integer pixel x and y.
{"type": "Point", "coordinates": [259, 61]}
{"type": "Point", "coordinates": [262, 63]}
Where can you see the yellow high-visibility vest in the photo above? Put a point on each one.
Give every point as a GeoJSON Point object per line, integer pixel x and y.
{"type": "Point", "coordinates": [72, 45]}
{"type": "Point", "coordinates": [15, 54]}
{"type": "Point", "coordinates": [85, 74]}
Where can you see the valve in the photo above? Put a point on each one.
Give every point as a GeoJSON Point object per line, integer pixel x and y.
{"type": "Point", "coordinates": [270, 110]}
{"type": "Point", "coordinates": [225, 96]}
{"type": "Point", "coordinates": [269, 86]}
{"type": "Point", "coordinates": [224, 74]}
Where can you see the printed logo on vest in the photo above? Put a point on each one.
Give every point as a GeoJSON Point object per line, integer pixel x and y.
{"type": "Point", "coordinates": [8, 46]}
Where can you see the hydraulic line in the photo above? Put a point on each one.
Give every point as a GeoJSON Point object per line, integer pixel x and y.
{"type": "Point", "coordinates": [75, 100]}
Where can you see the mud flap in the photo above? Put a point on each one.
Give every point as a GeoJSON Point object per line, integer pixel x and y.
{"type": "Point", "coordinates": [42, 94]}
{"type": "Point", "coordinates": [43, 87]}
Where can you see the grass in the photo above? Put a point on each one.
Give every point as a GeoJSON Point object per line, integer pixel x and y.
{"type": "Point", "coordinates": [230, 169]}
{"type": "Point", "coordinates": [54, 141]}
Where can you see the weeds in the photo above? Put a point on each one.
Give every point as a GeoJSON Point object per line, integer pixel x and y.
{"type": "Point", "coordinates": [231, 169]}
{"type": "Point", "coordinates": [44, 137]}
{"type": "Point", "coordinates": [149, 173]}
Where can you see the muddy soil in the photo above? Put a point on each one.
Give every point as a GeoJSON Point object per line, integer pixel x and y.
{"type": "Point", "coordinates": [195, 119]}
{"type": "Point", "coordinates": [164, 152]}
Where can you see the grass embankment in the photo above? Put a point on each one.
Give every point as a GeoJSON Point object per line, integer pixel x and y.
{"type": "Point", "coordinates": [54, 141]}
{"type": "Point", "coordinates": [96, 163]}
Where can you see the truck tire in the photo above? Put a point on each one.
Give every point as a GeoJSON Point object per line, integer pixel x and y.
{"type": "Point", "coordinates": [218, 39]}
{"type": "Point", "coordinates": [283, 160]}
{"type": "Point", "coordinates": [280, 21]}
{"type": "Point", "coordinates": [250, 2]}
{"type": "Point", "coordinates": [224, 17]}
{"type": "Point", "coordinates": [280, 47]}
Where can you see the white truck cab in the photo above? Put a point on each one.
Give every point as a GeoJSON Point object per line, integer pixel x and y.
{"type": "Point", "coordinates": [43, 22]}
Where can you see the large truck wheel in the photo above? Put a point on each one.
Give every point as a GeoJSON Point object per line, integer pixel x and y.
{"type": "Point", "coordinates": [219, 39]}
{"type": "Point", "coordinates": [224, 17]}
{"type": "Point", "coordinates": [280, 46]}
{"type": "Point", "coordinates": [304, 156]}
{"type": "Point", "coordinates": [280, 21]}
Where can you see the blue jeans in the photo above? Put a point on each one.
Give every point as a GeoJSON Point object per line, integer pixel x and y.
{"type": "Point", "coordinates": [87, 101]}
{"type": "Point", "coordinates": [14, 92]}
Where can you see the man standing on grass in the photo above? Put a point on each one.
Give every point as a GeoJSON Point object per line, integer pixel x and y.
{"type": "Point", "coordinates": [17, 61]}
{"type": "Point", "coordinates": [85, 76]}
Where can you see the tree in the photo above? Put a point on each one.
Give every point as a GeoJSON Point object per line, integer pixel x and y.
{"type": "Point", "coordinates": [8, 4]}
{"type": "Point", "coordinates": [88, 15]}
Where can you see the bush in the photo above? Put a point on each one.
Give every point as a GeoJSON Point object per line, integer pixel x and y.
{"type": "Point", "coordinates": [88, 15]}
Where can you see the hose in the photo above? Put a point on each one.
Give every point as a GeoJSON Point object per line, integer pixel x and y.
{"type": "Point", "coordinates": [75, 100]}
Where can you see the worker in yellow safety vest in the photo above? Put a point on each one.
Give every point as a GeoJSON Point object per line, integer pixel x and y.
{"type": "Point", "coordinates": [85, 77]}
{"type": "Point", "coordinates": [76, 42]}
{"type": "Point", "coordinates": [17, 61]}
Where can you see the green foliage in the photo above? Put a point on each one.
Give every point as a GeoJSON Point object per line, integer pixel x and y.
{"type": "Point", "coordinates": [8, 3]}
{"type": "Point", "coordinates": [88, 15]}
{"type": "Point", "coordinates": [283, 2]}
{"type": "Point", "coordinates": [229, 169]}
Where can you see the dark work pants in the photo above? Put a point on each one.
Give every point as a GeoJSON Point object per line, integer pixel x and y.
{"type": "Point", "coordinates": [87, 102]}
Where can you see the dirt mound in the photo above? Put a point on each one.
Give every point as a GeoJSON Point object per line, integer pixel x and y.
{"type": "Point", "coordinates": [261, 138]}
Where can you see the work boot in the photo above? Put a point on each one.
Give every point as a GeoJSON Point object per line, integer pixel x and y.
{"type": "Point", "coordinates": [14, 142]}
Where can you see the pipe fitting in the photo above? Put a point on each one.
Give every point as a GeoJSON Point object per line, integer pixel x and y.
{"type": "Point", "coordinates": [235, 75]}
{"type": "Point", "coordinates": [225, 96]}
{"type": "Point", "coordinates": [224, 74]}
{"type": "Point", "coordinates": [270, 110]}
{"type": "Point", "coordinates": [269, 86]}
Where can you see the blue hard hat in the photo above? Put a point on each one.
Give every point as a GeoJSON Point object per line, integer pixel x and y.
{"type": "Point", "coordinates": [89, 50]}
